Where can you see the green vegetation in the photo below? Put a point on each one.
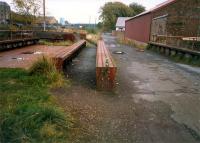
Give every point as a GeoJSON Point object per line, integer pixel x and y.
{"type": "Point", "coordinates": [28, 111]}
{"type": "Point", "coordinates": [45, 66]}
{"type": "Point", "coordinates": [136, 8]}
{"type": "Point", "coordinates": [61, 43]}
{"type": "Point", "coordinates": [132, 43]}
{"type": "Point", "coordinates": [92, 30]}
{"type": "Point", "coordinates": [26, 10]}
{"type": "Point", "coordinates": [93, 38]}
{"type": "Point", "coordinates": [112, 10]}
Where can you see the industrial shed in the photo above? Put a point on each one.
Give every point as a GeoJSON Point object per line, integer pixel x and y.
{"type": "Point", "coordinates": [174, 22]}
{"type": "Point", "coordinates": [138, 27]}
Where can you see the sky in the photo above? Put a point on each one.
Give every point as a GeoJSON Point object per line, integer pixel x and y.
{"type": "Point", "coordinates": [84, 11]}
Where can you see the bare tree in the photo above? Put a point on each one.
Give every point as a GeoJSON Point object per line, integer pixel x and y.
{"type": "Point", "coordinates": [29, 8]}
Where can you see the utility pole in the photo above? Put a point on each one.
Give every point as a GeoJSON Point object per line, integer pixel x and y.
{"type": "Point", "coordinates": [44, 12]}
{"type": "Point", "coordinates": [89, 22]}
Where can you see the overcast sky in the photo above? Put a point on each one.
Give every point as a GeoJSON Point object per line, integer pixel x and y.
{"type": "Point", "coordinates": [80, 11]}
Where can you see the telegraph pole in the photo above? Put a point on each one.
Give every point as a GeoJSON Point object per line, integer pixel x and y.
{"type": "Point", "coordinates": [44, 12]}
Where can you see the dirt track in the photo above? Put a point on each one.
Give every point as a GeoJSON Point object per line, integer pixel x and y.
{"type": "Point", "coordinates": [155, 101]}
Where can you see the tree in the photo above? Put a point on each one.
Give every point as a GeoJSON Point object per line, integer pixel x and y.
{"type": "Point", "coordinates": [136, 8]}
{"type": "Point", "coordinates": [28, 8]}
{"type": "Point", "coordinates": [111, 11]}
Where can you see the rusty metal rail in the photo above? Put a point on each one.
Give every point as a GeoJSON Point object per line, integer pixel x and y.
{"type": "Point", "coordinates": [67, 53]}
{"type": "Point", "coordinates": [11, 44]}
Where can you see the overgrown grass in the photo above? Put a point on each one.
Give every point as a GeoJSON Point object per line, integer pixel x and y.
{"type": "Point", "coordinates": [28, 111]}
{"type": "Point", "coordinates": [46, 67]}
{"type": "Point", "coordinates": [132, 43]}
{"type": "Point", "coordinates": [93, 38]}
{"type": "Point", "coordinates": [61, 43]}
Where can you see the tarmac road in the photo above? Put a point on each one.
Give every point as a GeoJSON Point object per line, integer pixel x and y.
{"type": "Point", "coordinates": [155, 100]}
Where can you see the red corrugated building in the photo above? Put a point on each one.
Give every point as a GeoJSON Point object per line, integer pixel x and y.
{"type": "Point", "coordinates": [168, 23]}
{"type": "Point", "coordinates": [138, 27]}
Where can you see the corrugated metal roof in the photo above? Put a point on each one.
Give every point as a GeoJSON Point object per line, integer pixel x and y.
{"type": "Point", "coordinates": [162, 5]}
{"type": "Point", "coordinates": [159, 6]}
{"type": "Point", "coordinates": [121, 21]}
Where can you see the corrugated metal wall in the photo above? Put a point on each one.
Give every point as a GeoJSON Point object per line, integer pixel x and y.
{"type": "Point", "coordinates": [139, 28]}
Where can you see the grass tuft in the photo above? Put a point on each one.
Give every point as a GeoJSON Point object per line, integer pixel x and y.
{"type": "Point", "coordinates": [46, 67]}
{"type": "Point", "coordinates": [132, 43]}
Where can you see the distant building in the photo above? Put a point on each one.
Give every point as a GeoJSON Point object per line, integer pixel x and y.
{"type": "Point", "coordinates": [62, 21]}
{"type": "Point", "coordinates": [120, 25]}
{"type": "Point", "coordinates": [4, 13]}
{"type": "Point", "coordinates": [50, 20]}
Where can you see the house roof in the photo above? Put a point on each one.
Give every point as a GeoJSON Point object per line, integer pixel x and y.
{"type": "Point", "coordinates": [121, 21]}
{"type": "Point", "coordinates": [157, 7]}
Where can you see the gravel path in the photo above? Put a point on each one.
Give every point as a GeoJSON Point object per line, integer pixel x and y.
{"type": "Point", "coordinates": [155, 101]}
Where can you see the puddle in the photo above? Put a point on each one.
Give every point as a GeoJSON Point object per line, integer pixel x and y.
{"type": "Point", "coordinates": [31, 52]}
{"type": "Point", "coordinates": [38, 53]}
{"type": "Point", "coordinates": [19, 59]}
{"type": "Point", "coordinates": [148, 96]}
{"type": "Point", "coordinates": [118, 52]}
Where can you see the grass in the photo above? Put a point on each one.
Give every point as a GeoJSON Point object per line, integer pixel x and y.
{"type": "Point", "coordinates": [93, 38]}
{"type": "Point", "coordinates": [28, 111]}
{"type": "Point", "coordinates": [46, 67]}
{"type": "Point", "coordinates": [131, 43]}
{"type": "Point", "coordinates": [61, 43]}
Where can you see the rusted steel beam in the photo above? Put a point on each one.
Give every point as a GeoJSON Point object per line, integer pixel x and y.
{"type": "Point", "coordinates": [10, 44]}
{"type": "Point", "coordinates": [67, 53]}
{"type": "Point", "coordinates": [105, 68]}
